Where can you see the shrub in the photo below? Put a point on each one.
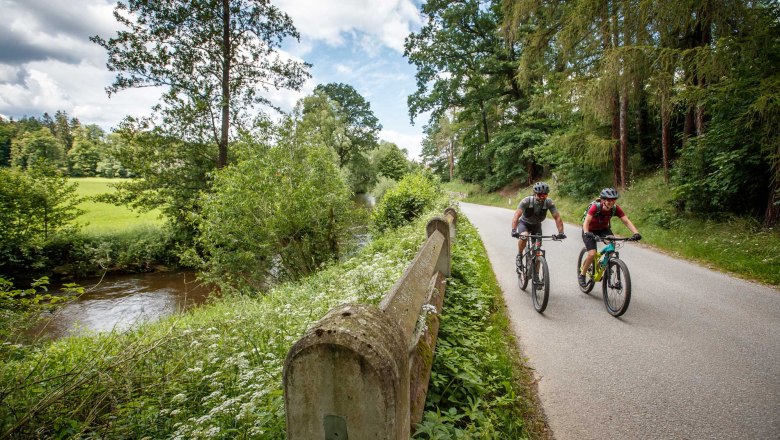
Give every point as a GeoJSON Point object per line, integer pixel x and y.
{"type": "Point", "coordinates": [406, 201]}
{"type": "Point", "coordinates": [277, 213]}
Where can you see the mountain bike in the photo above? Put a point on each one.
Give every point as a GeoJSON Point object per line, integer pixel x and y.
{"type": "Point", "coordinates": [532, 265]}
{"type": "Point", "coordinates": [608, 268]}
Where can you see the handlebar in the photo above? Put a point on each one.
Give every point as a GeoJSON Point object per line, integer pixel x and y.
{"type": "Point", "coordinates": [612, 238]}
{"type": "Point", "coordinates": [553, 237]}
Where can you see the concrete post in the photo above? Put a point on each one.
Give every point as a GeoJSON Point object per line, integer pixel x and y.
{"type": "Point", "coordinates": [348, 378]}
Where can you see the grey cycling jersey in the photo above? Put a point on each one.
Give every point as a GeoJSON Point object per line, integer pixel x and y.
{"type": "Point", "coordinates": [535, 211]}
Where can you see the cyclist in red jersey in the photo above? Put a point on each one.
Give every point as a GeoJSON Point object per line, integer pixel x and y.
{"type": "Point", "coordinates": [597, 222]}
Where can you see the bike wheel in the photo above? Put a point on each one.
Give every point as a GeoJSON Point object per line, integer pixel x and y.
{"type": "Point", "coordinates": [617, 287]}
{"type": "Point", "coordinates": [522, 275]}
{"type": "Point", "coordinates": [540, 289]}
{"type": "Point", "coordinates": [589, 283]}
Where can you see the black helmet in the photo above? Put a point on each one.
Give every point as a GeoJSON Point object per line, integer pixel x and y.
{"type": "Point", "coordinates": [541, 188]}
{"type": "Point", "coordinates": [609, 193]}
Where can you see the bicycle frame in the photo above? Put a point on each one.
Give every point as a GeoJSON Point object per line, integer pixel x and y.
{"type": "Point", "coordinates": [601, 258]}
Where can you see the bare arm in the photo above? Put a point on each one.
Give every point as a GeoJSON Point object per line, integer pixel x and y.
{"type": "Point", "coordinates": [516, 218]}
{"type": "Point", "coordinates": [628, 224]}
{"type": "Point", "coordinates": [586, 223]}
{"type": "Point", "coordinates": [558, 222]}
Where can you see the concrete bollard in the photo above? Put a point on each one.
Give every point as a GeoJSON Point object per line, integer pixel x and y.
{"type": "Point", "coordinates": [350, 378]}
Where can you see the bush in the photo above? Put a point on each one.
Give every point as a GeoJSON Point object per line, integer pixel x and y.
{"type": "Point", "coordinates": [278, 213]}
{"type": "Point", "coordinates": [406, 201]}
{"type": "Point", "coordinates": [383, 184]}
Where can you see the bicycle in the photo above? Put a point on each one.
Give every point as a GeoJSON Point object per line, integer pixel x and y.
{"type": "Point", "coordinates": [608, 268]}
{"type": "Point", "coordinates": [532, 265]}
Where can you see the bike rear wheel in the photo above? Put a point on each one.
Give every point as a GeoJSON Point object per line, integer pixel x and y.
{"type": "Point", "coordinates": [589, 283]}
{"type": "Point", "coordinates": [522, 275]}
{"type": "Point", "coordinates": [617, 287]}
{"type": "Point", "coordinates": [540, 288]}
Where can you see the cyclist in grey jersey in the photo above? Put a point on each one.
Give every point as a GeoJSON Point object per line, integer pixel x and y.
{"type": "Point", "coordinates": [530, 213]}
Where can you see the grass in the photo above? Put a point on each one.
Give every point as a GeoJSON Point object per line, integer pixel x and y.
{"type": "Point", "coordinates": [216, 371]}
{"type": "Point", "coordinates": [736, 245]}
{"type": "Point", "coordinates": [106, 219]}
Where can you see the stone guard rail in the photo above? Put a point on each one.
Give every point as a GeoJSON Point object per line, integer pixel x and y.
{"type": "Point", "coordinates": [362, 372]}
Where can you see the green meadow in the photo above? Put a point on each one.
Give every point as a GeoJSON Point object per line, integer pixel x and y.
{"type": "Point", "coordinates": [106, 219]}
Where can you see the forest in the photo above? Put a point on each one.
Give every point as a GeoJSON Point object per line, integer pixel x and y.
{"type": "Point", "coordinates": [600, 93]}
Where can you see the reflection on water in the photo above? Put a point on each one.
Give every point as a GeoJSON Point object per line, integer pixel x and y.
{"type": "Point", "coordinates": [120, 301]}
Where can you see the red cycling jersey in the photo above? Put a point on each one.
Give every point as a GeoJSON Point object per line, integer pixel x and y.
{"type": "Point", "coordinates": [601, 221]}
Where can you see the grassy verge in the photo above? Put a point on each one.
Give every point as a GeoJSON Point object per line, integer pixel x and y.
{"type": "Point", "coordinates": [216, 372]}
{"type": "Point", "coordinates": [734, 244]}
{"type": "Point", "coordinates": [480, 386]}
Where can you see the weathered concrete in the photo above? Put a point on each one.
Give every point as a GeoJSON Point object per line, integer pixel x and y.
{"type": "Point", "coordinates": [421, 355]}
{"type": "Point", "coordinates": [351, 366]}
{"type": "Point", "coordinates": [362, 372]}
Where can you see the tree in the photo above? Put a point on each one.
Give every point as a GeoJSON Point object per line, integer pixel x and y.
{"type": "Point", "coordinates": [36, 146]}
{"type": "Point", "coordinates": [7, 133]}
{"type": "Point", "coordinates": [34, 205]}
{"type": "Point", "coordinates": [362, 125]}
{"type": "Point", "coordinates": [214, 57]}
{"type": "Point", "coordinates": [440, 147]}
{"type": "Point", "coordinates": [289, 198]}
{"type": "Point", "coordinates": [390, 161]}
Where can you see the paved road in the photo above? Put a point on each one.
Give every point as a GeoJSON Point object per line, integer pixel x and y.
{"type": "Point", "coordinates": [696, 356]}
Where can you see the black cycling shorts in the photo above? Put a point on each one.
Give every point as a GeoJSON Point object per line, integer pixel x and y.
{"type": "Point", "coordinates": [590, 243]}
{"type": "Point", "coordinates": [531, 229]}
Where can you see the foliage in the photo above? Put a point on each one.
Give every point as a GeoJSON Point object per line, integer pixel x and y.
{"type": "Point", "coordinates": [361, 125]}
{"type": "Point", "coordinates": [214, 58]}
{"type": "Point", "coordinates": [477, 387]}
{"type": "Point", "coordinates": [390, 161]}
{"type": "Point", "coordinates": [21, 308]}
{"type": "Point", "coordinates": [34, 207]}
{"type": "Point", "coordinates": [34, 147]}
{"type": "Point", "coordinates": [401, 204]}
{"type": "Point", "coordinates": [383, 184]}
{"type": "Point", "coordinates": [213, 372]}
{"type": "Point", "coordinates": [173, 174]}
{"type": "Point", "coordinates": [293, 204]}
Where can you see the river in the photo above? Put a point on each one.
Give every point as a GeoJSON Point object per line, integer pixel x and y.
{"type": "Point", "coordinates": [120, 301]}
{"type": "Point", "coordinates": [117, 302]}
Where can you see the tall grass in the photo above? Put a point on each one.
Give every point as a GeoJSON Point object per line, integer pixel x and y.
{"type": "Point", "coordinates": [734, 244]}
{"type": "Point", "coordinates": [216, 371]}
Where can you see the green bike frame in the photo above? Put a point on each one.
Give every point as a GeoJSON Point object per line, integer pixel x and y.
{"type": "Point", "coordinates": [600, 261]}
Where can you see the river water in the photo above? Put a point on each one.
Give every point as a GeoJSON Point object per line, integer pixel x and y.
{"type": "Point", "coordinates": [121, 301]}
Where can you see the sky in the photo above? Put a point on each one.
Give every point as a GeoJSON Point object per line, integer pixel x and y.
{"type": "Point", "coordinates": [47, 62]}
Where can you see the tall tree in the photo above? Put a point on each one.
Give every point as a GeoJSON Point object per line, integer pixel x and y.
{"type": "Point", "coordinates": [362, 126]}
{"type": "Point", "coordinates": [33, 147]}
{"type": "Point", "coordinates": [213, 57]}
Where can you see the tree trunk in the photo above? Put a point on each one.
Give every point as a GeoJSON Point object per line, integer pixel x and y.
{"type": "Point", "coordinates": [226, 56]}
{"type": "Point", "coordinates": [665, 137]}
{"type": "Point", "coordinates": [451, 154]}
{"type": "Point", "coordinates": [616, 140]}
{"type": "Point", "coordinates": [772, 213]}
{"type": "Point", "coordinates": [623, 136]}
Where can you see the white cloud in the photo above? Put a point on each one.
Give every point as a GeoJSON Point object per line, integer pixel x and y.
{"type": "Point", "coordinates": [411, 142]}
{"type": "Point", "coordinates": [387, 21]}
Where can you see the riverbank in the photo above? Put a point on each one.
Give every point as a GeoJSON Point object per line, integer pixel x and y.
{"type": "Point", "coordinates": [215, 371]}
{"type": "Point", "coordinates": [736, 245]}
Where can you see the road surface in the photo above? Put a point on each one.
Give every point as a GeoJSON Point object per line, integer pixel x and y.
{"type": "Point", "coordinates": [696, 356]}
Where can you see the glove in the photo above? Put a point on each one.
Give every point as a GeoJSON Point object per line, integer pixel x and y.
{"type": "Point", "coordinates": [590, 235]}
{"type": "Point", "coordinates": [560, 236]}
{"type": "Point", "coordinates": [515, 234]}
{"type": "Point", "coordinates": [636, 237]}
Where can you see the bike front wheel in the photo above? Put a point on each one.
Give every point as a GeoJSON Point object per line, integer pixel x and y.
{"type": "Point", "coordinates": [589, 283]}
{"type": "Point", "coordinates": [523, 270]}
{"type": "Point", "coordinates": [540, 289]}
{"type": "Point", "coordinates": [617, 287]}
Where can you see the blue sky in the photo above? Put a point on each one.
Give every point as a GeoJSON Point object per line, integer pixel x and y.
{"type": "Point", "coordinates": [47, 62]}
